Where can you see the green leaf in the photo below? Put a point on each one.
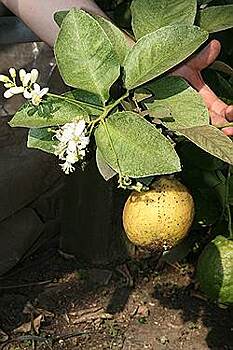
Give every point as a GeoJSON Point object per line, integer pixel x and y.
{"type": "Point", "coordinates": [211, 140]}
{"type": "Point", "coordinates": [89, 102]}
{"type": "Point", "coordinates": [133, 147]}
{"type": "Point", "coordinates": [192, 156]}
{"type": "Point", "coordinates": [150, 15]}
{"type": "Point", "coordinates": [105, 170]}
{"type": "Point", "coordinates": [52, 111]}
{"type": "Point", "coordinates": [156, 53]}
{"type": "Point", "coordinates": [216, 18]}
{"type": "Point", "coordinates": [59, 16]}
{"type": "Point", "coordinates": [85, 55]}
{"type": "Point", "coordinates": [42, 139]}
{"type": "Point", "coordinates": [116, 36]}
{"type": "Point", "coordinates": [174, 97]}
{"type": "Point", "coordinates": [222, 67]}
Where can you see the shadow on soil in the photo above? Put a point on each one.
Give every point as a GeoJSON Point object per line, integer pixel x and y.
{"type": "Point", "coordinates": [217, 320]}
{"type": "Point", "coordinates": [69, 287]}
{"type": "Point", "coordinates": [56, 284]}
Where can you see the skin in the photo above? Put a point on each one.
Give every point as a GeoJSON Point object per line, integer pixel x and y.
{"type": "Point", "coordinates": [38, 15]}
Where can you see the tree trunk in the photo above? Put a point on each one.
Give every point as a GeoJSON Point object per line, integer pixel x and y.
{"type": "Point", "coordinates": [92, 219]}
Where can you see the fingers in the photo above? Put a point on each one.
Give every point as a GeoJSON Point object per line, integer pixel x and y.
{"type": "Point", "coordinates": [217, 119]}
{"type": "Point", "coordinates": [220, 112]}
{"type": "Point", "coordinates": [228, 131]}
{"type": "Point", "coordinates": [206, 56]}
{"type": "Point", "coordinates": [229, 113]}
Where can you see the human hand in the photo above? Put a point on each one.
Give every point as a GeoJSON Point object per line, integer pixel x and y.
{"type": "Point", "coordinates": [220, 112]}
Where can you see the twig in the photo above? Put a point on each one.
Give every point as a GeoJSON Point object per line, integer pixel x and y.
{"type": "Point", "coordinates": [70, 335]}
{"type": "Point", "coordinates": [31, 284]}
{"type": "Point", "coordinates": [46, 339]}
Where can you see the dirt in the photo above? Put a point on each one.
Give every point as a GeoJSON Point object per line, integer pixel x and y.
{"type": "Point", "coordinates": [76, 308]}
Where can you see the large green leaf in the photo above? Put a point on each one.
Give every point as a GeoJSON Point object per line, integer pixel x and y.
{"type": "Point", "coordinates": [211, 140]}
{"type": "Point", "coordinates": [116, 36]}
{"type": "Point", "coordinates": [134, 147]}
{"type": "Point", "coordinates": [53, 111]}
{"type": "Point", "coordinates": [157, 52]}
{"type": "Point", "coordinates": [150, 15]}
{"type": "Point", "coordinates": [42, 139]}
{"type": "Point", "coordinates": [175, 98]}
{"type": "Point", "coordinates": [216, 18]}
{"type": "Point", "coordinates": [85, 55]}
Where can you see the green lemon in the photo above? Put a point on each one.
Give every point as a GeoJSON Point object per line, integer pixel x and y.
{"type": "Point", "coordinates": [215, 270]}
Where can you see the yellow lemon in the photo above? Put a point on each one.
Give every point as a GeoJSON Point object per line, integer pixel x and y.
{"type": "Point", "coordinates": [161, 217]}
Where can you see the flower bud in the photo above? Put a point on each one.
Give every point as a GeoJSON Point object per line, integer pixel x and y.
{"type": "Point", "coordinates": [34, 75]}
{"type": "Point", "coordinates": [26, 79]}
{"type": "Point", "coordinates": [4, 78]}
{"type": "Point", "coordinates": [22, 74]}
{"type": "Point", "coordinates": [12, 72]}
{"type": "Point", "coordinates": [8, 94]}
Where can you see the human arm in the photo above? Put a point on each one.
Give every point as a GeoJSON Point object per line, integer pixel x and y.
{"type": "Point", "coordinates": [38, 15]}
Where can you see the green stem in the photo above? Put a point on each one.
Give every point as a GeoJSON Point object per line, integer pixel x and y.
{"type": "Point", "coordinates": [109, 108]}
{"type": "Point", "coordinates": [78, 103]}
{"type": "Point", "coordinates": [74, 102]}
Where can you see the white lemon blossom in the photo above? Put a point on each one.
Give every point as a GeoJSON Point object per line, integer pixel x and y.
{"type": "Point", "coordinates": [73, 141]}
{"type": "Point", "coordinates": [35, 94]}
{"type": "Point", "coordinates": [29, 88]}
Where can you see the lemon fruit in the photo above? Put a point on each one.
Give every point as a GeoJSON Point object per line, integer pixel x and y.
{"type": "Point", "coordinates": [215, 270]}
{"type": "Point", "coordinates": [161, 217]}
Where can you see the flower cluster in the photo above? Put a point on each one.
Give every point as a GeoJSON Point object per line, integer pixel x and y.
{"type": "Point", "coordinates": [28, 86]}
{"type": "Point", "coordinates": [73, 140]}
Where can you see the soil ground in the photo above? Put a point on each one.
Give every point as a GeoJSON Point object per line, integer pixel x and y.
{"type": "Point", "coordinates": [76, 308]}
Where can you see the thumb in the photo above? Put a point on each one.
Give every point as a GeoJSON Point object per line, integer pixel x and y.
{"type": "Point", "coordinates": [206, 56]}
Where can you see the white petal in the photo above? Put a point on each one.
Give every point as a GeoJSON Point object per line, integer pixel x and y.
{"type": "Point", "coordinates": [27, 94]}
{"type": "Point", "coordinates": [84, 141]}
{"type": "Point", "coordinates": [80, 127]}
{"type": "Point", "coordinates": [43, 92]}
{"type": "Point", "coordinates": [17, 90]}
{"type": "Point", "coordinates": [82, 153]}
{"type": "Point", "coordinates": [72, 146]}
{"type": "Point", "coordinates": [36, 88]}
{"type": "Point", "coordinates": [67, 168]}
{"type": "Point", "coordinates": [4, 78]}
{"type": "Point", "coordinates": [26, 79]}
{"type": "Point", "coordinates": [8, 94]}
{"type": "Point", "coordinates": [67, 134]}
{"type": "Point", "coordinates": [12, 72]}
{"type": "Point", "coordinates": [22, 74]}
{"type": "Point", "coordinates": [72, 157]}
{"type": "Point", "coordinates": [34, 75]}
